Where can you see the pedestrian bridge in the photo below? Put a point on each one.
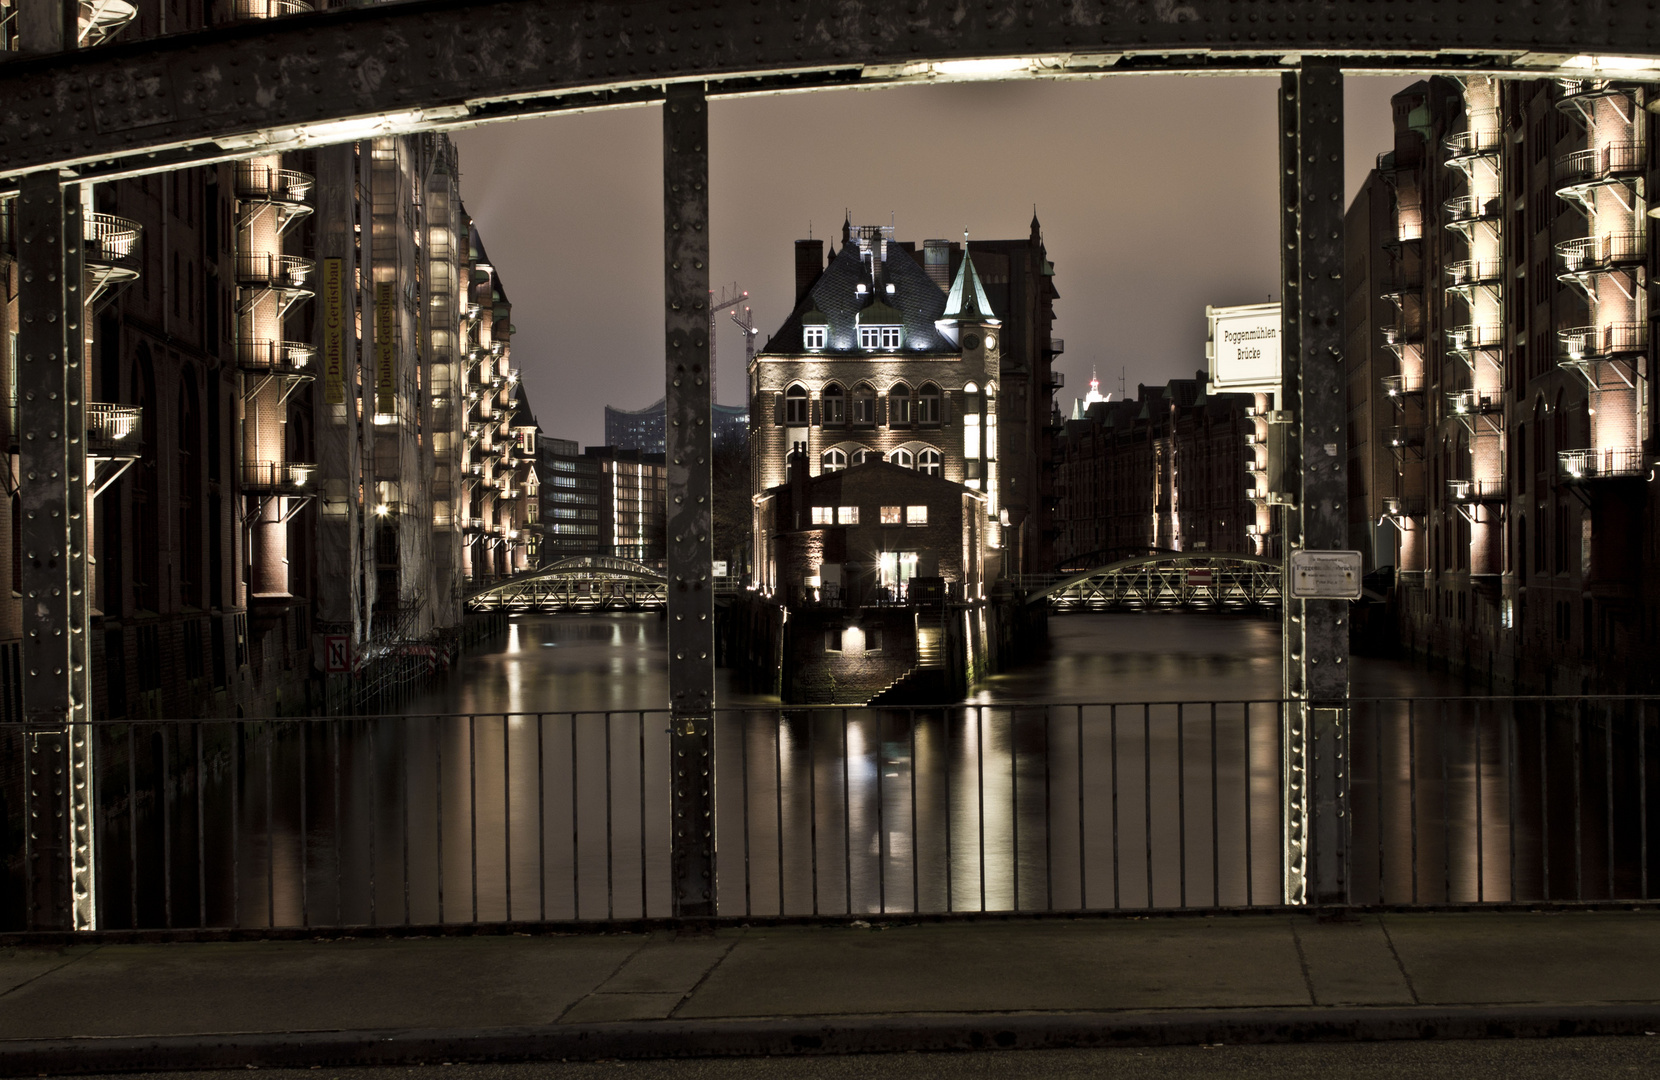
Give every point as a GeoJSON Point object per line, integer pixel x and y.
{"type": "Point", "coordinates": [580, 583]}
{"type": "Point", "coordinates": [1158, 581]}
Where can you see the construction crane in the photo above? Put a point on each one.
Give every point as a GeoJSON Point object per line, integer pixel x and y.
{"type": "Point", "coordinates": [716, 306]}
{"type": "Point", "coordinates": [747, 322]}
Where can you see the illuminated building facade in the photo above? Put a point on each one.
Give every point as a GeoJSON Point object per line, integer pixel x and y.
{"type": "Point", "coordinates": [642, 429]}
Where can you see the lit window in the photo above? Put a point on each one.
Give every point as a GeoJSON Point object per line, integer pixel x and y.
{"type": "Point", "coordinates": [833, 461]}
{"type": "Point", "coordinates": [899, 405]}
{"type": "Point", "coordinates": [814, 336]}
{"type": "Point", "coordinates": [928, 404]}
{"type": "Point", "coordinates": [890, 515]}
{"type": "Point", "coordinates": [835, 406]}
{"type": "Point", "coordinates": [869, 338]}
{"type": "Point", "coordinates": [916, 515]}
{"type": "Point", "coordinates": [902, 458]}
{"type": "Point", "coordinates": [847, 515]}
{"type": "Point", "coordinates": [864, 404]}
{"type": "Point", "coordinates": [890, 337]}
{"type": "Point", "coordinates": [795, 405]}
{"type": "Point", "coordinates": [824, 515]}
{"type": "Point", "coordinates": [928, 461]}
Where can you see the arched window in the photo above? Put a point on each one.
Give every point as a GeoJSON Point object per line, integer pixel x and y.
{"type": "Point", "coordinates": [832, 460]}
{"type": "Point", "coordinates": [902, 457]}
{"type": "Point", "coordinates": [865, 456]}
{"type": "Point", "coordinates": [1519, 456]}
{"type": "Point", "coordinates": [835, 405]}
{"type": "Point", "coordinates": [928, 404]}
{"type": "Point", "coordinates": [899, 405]}
{"type": "Point", "coordinates": [928, 461]}
{"type": "Point", "coordinates": [864, 404]}
{"type": "Point", "coordinates": [795, 405]}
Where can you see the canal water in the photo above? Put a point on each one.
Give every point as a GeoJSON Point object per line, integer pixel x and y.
{"type": "Point", "coordinates": [1136, 764]}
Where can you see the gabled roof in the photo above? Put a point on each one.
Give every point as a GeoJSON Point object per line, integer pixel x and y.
{"type": "Point", "coordinates": [967, 302]}
{"type": "Point", "coordinates": [835, 298]}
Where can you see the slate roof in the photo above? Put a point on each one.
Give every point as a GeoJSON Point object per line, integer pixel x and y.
{"type": "Point", "coordinates": [918, 300]}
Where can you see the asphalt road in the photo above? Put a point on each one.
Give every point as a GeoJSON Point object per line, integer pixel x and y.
{"type": "Point", "coordinates": [1532, 1059]}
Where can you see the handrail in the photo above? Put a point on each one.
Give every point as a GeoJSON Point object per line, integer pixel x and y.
{"type": "Point", "coordinates": [113, 428]}
{"type": "Point", "coordinates": [276, 475]}
{"type": "Point", "coordinates": [274, 271]}
{"type": "Point", "coordinates": [1478, 143]}
{"type": "Point", "coordinates": [1470, 336]}
{"type": "Point", "coordinates": [1402, 435]}
{"type": "Point", "coordinates": [1592, 253]}
{"type": "Point", "coordinates": [274, 356]}
{"type": "Point", "coordinates": [111, 241]}
{"type": "Point", "coordinates": [1592, 342]}
{"type": "Point", "coordinates": [271, 9]}
{"type": "Point", "coordinates": [266, 184]}
{"type": "Point", "coordinates": [1398, 386]}
{"type": "Point", "coordinates": [1465, 208]}
{"type": "Point", "coordinates": [1465, 491]}
{"type": "Point", "coordinates": [1464, 402]}
{"type": "Point", "coordinates": [1600, 163]}
{"type": "Point", "coordinates": [1474, 271]}
{"type": "Point", "coordinates": [99, 20]}
{"type": "Point", "coordinates": [1621, 461]}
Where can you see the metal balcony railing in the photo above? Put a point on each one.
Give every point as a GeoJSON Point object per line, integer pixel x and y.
{"type": "Point", "coordinates": [1470, 402]}
{"type": "Point", "coordinates": [472, 524]}
{"type": "Point", "coordinates": [1473, 491]}
{"type": "Point", "coordinates": [287, 272]}
{"type": "Point", "coordinates": [275, 357]}
{"type": "Point", "coordinates": [271, 9]}
{"type": "Point", "coordinates": [1589, 254]}
{"type": "Point", "coordinates": [1600, 163]}
{"type": "Point", "coordinates": [1463, 209]}
{"type": "Point", "coordinates": [1465, 338]}
{"type": "Point", "coordinates": [114, 431]}
{"type": "Point", "coordinates": [1398, 386]}
{"type": "Point", "coordinates": [1401, 335]}
{"type": "Point", "coordinates": [265, 184]}
{"type": "Point", "coordinates": [1480, 143]}
{"type": "Point", "coordinates": [1402, 436]}
{"type": "Point", "coordinates": [1057, 346]}
{"type": "Point", "coordinates": [1406, 506]}
{"type": "Point", "coordinates": [99, 20]}
{"type": "Point", "coordinates": [1609, 463]}
{"type": "Point", "coordinates": [278, 476]}
{"type": "Point", "coordinates": [112, 242]}
{"type": "Point", "coordinates": [1599, 342]}
{"type": "Point", "coordinates": [1474, 272]}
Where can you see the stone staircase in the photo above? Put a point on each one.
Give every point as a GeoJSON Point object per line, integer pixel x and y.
{"type": "Point", "coordinates": [924, 684]}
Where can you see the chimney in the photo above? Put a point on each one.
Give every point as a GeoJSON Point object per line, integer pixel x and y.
{"type": "Point", "coordinates": [809, 263]}
{"type": "Point", "coordinates": [936, 262]}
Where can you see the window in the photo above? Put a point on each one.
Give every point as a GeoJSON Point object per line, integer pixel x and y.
{"type": "Point", "coordinates": [824, 515]}
{"type": "Point", "coordinates": [873, 639]}
{"type": "Point", "coordinates": [916, 515]}
{"type": "Point", "coordinates": [890, 337]}
{"type": "Point", "coordinates": [864, 404]}
{"type": "Point", "coordinates": [902, 458]}
{"type": "Point", "coordinates": [928, 404]}
{"type": "Point", "coordinates": [890, 515]}
{"type": "Point", "coordinates": [835, 406]}
{"type": "Point", "coordinates": [833, 640]}
{"type": "Point", "coordinates": [833, 461]}
{"type": "Point", "coordinates": [814, 336]}
{"type": "Point", "coordinates": [847, 515]}
{"type": "Point", "coordinates": [795, 405]}
{"type": "Point", "coordinates": [869, 338]}
{"type": "Point", "coordinates": [928, 461]}
{"type": "Point", "coordinates": [865, 456]}
{"type": "Point", "coordinates": [899, 406]}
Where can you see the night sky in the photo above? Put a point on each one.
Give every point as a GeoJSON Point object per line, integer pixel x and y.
{"type": "Point", "coordinates": [1157, 195]}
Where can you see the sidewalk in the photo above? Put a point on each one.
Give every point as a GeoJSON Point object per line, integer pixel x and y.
{"type": "Point", "coordinates": [772, 990]}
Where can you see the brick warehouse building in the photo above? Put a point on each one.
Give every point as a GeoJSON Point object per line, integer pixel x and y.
{"type": "Point", "coordinates": [1516, 358]}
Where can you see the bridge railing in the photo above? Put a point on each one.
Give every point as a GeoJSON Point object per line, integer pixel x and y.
{"type": "Point", "coordinates": [549, 817]}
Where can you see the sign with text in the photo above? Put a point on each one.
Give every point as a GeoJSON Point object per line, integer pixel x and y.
{"type": "Point", "coordinates": [1244, 348]}
{"type": "Point", "coordinates": [386, 367]}
{"type": "Point", "coordinates": [1325, 575]}
{"type": "Point", "coordinates": [334, 332]}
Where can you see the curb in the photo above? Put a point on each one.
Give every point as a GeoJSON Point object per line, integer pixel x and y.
{"type": "Point", "coordinates": [774, 1037]}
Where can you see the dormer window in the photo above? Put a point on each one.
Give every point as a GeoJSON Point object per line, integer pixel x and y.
{"type": "Point", "coordinates": [878, 337]}
{"type": "Point", "coordinates": [815, 336]}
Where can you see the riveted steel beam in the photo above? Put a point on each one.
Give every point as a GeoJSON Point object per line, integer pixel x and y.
{"type": "Point", "coordinates": [689, 406]}
{"type": "Point", "coordinates": [51, 384]}
{"type": "Point", "coordinates": [335, 75]}
{"type": "Point", "coordinates": [1315, 632]}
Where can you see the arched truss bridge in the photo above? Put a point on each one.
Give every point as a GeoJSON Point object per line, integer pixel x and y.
{"type": "Point", "coordinates": [582, 583]}
{"type": "Point", "coordinates": [1168, 581]}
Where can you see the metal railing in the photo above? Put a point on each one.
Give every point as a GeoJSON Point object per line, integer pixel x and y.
{"type": "Point", "coordinates": [114, 430]}
{"type": "Point", "coordinates": [271, 9]}
{"type": "Point", "coordinates": [1407, 506]}
{"type": "Point", "coordinates": [1589, 254]}
{"type": "Point", "coordinates": [1464, 338]}
{"type": "Point", "coordinates": [1473, 491]}
{"type": "Point", "coordinates": [1593, 342]}
{"type": "Point", "coordinates": [1600, 163]}
{"type": "Point", "coordinates": [478, 819]}
{"type": "Point", "coordinates": [1619, 461]}
{"type": "Point", "coordinates": [266, 184]}
{"type": "Point", "coordinates": [1470, 402]}
{"type": "Point", "coordinates": [275, 357]}
{"type": "Point", "coordinates": [274, 271]}
{"type": "Point", "coordinates": [112, 241]}
{"type": "Point", "coordinates": [1461, 209]}
{"type": "Point", "coordinates": [1402, 435]}
{"type": "Point", "coordinates": [1463, 144]}
{"type": "Point", "coordinates": [1474, 272]}
{"type": "Point", "coordinates": [1398, 386]}
{"type": "Point", "coordinates": [278, 476]}
{"type": "Point", "coordinates": [99, 20]}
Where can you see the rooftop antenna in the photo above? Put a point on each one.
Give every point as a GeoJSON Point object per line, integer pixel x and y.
{"type": "Point", "coordinates": [1123, 390]}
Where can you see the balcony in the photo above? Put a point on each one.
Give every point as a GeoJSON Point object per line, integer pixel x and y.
{"type": "Point", "coordinates": [1461, 145]}
{"type": "Point", "coordinates": [111, 252]}
{"type": "Point", "coordinates": [1475, 491]}
{"type": "Point", "coordinates": [1056, 346]}
{"type": "Point", "coordinates": [115, 432]}
{"type": "Point", "coordinates": [1403, 506]}
{"type": "Point", "coordinates": [1474, 272]}
{"type": "Point", "coordinates": [1468, 209]}
{"type": "Point", "coordinates": [261, 183]}
{"type": "Point", "coordinates": [270, 9]}
{"type": "Point", "coordinates": [1470, 403]}
{"type": "Point", "coordinates": [278, 477]}
{"type": "Point", "coordinates": [1056, 380]}
{"type": "Point", "coordinates": [1615, 463]}
{"type": "Point", "coordinates": [1587, 343]}
{"type": "Point", "coordinates": [1402, 436]}
{"type": "Point", "coordinates": [1599, 165]}
{"type": "Point", "coordinates": [1395, 336]}
{"type": "Point", "coordinates": [1397, 387]}
{"type": "Point", "coordinates": [284, 273]}
{"type": "Point", "coordinates": [1596, 254]}
{"type": "Point", "coordinates": [99, 20]}
{"type": "Point", "coordinates": [1465, 338]}
{"type": "Point", "coordinates": [290, 358]}
{"type": "Point", "coordinates": [472, 524]}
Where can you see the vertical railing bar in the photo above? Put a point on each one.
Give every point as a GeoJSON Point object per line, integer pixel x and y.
{"type": "Point", "coordinates": [1511, 753]}
{"type": "Point", "coordinates": [270, 834]}
{"type": "Point", "coordinates": [542, 824]}
{"type": "Point", "coordinates": [778, 800]}
{"type": "Point", "coordinates": [201, 828]}
{"type": "Point", "coordinates": [1608, 787]}
{"type": "Point", "coordinates": [1083, 855]}
{"type": "Point", "coordinates": [1579, 823]}
{"type": "Point", "coordinates": [472, 806]}
{"type": "Point", "coordinates": [167, 829]}
{"type": "Point", "coordinates": [980, 793]}
{"type": "Point", "coordinates": [305, 850]}
{"type": "Point", "coordinates": [881, 826]}
{"type": "Point", "coordinates": [1245, 746]}
{"type": "Point", "coordinates": [507, 813]}
{"type": "Point", "coordinates": [812, 805]}
{"type": "Point", "coordinates": [1048, 820]}
{"type": "Point", "coordinates": [374, 822]}
{"type": "Point", "coordinates": [1544, 804]}
{"type": "Point", "coordinates": [403, 810]}
{"type": "Point", "coordinates": [847, 820]}
{"type": "Point", "coordinates": [1377, 773]}
{"type": "Point", "coordinates": [1117, 901]}
{"type": "Point", "coordinates": [743, 771]}
{"type": "Point", "coordinates": [1215, 824]}
{"type": "Point", "coordinates": [1412, 786]}
{"type": "Point", "coordinates": [339, 876]}
{"type": "Point", "coordinates": [576, 837]}
{"type": "Point", "coordinates": [132, 824]}
{"type": "Point", "coordinates": [644, 898]}
{"type": "Point", "coordinates": [1642, 800]}
{"type": "Point", "coordinates": [1014, 800]}
{"type": "Point", "coordinates": [610, 857]}
{"type": "Point", "coordinates": [438, 792]}
{"type": "Point", "coordinates": [1446, 808]}
{"type": "Point", "coordinates": [1181, 806]}
{"type": "Point", "coordinates": [237, 744]}
{"type": "Point", "coordinates": [945, 749]}
{"type": "Point", "coordinates": [1147, 792]}
{"type": "Point", "coordinates": [916, 859]}
{"type": "Point", "coordinates": [1481, 850]}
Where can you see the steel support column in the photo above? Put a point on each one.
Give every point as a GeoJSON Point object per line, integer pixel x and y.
{"type": "Point", "coordinates": [691, 604]}
{"type": "Point", "coordinates": [1316, 641]}
{"type": "Point", "coordinates": [51, 384]}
